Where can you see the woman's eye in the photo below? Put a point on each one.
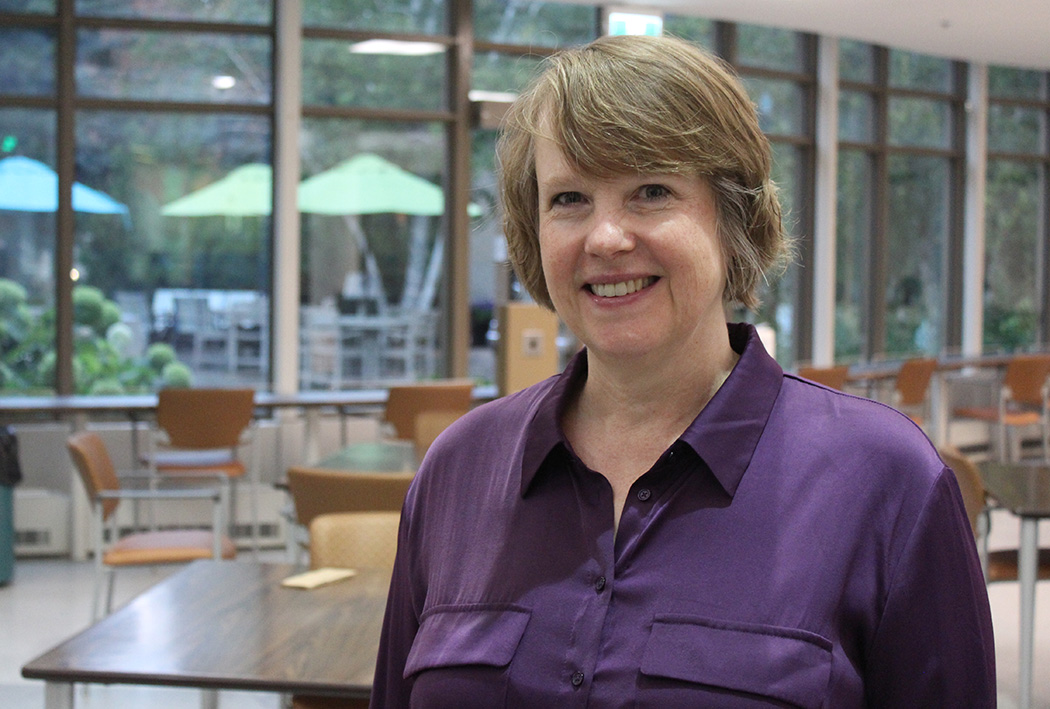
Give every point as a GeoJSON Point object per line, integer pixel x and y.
{"type": "Point", "coordinates": [653, 192]}
{"type": "Point", "coordinates": [566, 198]}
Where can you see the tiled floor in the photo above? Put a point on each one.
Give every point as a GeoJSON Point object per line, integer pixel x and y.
{"type": "Point", "coordinates": [50, 600]}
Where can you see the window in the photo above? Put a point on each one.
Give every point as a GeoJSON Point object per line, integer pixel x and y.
{"type": "Point", "coordinates": [1016, 228]}
{"type": "Point", "coordinates": [899, 213]}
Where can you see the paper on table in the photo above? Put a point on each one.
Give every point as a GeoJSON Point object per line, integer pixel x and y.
{"type": "Point", "coordinates": [317, 577]}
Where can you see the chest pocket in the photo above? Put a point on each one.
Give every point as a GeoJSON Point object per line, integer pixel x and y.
{"type": "Point", "coordinates": [481, 634]}
{"type": "Point", "coordinates": [785, 665]}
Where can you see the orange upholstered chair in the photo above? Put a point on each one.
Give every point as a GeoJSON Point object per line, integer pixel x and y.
{"type": "Point", "coordinates": [912, 387]}
{"type": "Point", "coordinates": [205, 430]}
{"type": "Point", "coordinates": [318, 491]}
{"type": "Point", "coordinates": [406, 401]}
{"type": "Point", "coordinates": [350, 540]}
{"type": "Point", "coordinates": [105, 490]}
{"type": "Point", "coordinates": [833, 377]}
{"type": "Point", "coordinates": [998, 564]}
{"type": "Point", "coordinates": [1023, 401]}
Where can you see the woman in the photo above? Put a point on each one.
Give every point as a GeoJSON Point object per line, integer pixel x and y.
{"type": "Point", "coordinates": [673, 521]}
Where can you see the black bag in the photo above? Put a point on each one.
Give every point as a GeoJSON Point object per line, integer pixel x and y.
{"type": "Point", "coordinates": [10, 470]}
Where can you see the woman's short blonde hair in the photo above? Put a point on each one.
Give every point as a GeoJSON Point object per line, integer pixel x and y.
{"type": "Point", "coordinates": [630, 104]}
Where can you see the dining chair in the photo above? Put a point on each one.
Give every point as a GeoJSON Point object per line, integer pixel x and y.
{"type": "Point", "coordinates": [912, 387]}
{"type": "Point", "coordinates": [208, 430]}
{"type": "Point", "coordinates": [406, 401]}
{"type": "Point", "coordinates": [429, 425]}
{"type": "Point", "coordinates": [1023, 400]}
{"type": "Point", "coordinates": [105, 490]}
{"type": "Point", "coordinates": [998, 564]}
{"type": "Point", "coordinates": [318, 491]}
{"type": "Point", "coordinates": [833, 377]}
{"type": "Point", "coordinates": [350, 540]}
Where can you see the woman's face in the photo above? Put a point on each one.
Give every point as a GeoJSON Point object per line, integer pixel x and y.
{"type": "Point", "coordinates": [633, 263]}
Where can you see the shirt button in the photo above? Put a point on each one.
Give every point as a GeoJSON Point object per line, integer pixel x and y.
{"type": "Point", "coordinates": [577, 679]}
{"type": "Point", "coordinates": [644, 494]}
{"type": "Point", "coordinates": [599, 585]}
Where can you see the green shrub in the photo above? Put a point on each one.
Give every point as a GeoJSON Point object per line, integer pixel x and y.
{"type": "Point", "coordinates": [176, 375]}
{"type": "Point", "coordinates": [12, 297]}
{"type": "Point", "coordinates": [88, 303]}
{"type": "Point", "coordinates": [158, 355]}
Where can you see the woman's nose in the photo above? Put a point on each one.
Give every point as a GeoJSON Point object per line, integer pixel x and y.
{"type": "Point", "coordinates": [608, 235]}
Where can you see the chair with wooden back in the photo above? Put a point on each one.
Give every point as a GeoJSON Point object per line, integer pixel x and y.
{"type": "Point", "coordinates": [350, 540]}
{"type": "Point", "coordinates": [168, 546]}
{"type": "Point", "coordinates": [429, 425]}
{"type": "Point", "coordinates": [318, 491]}
{"type": "Point", "coordinates": [998, 564]}
{"type": "Point", "coordinates": [1023, 400]}
{"type": "Point", "coordinates": [406, 401]}
{"type": "Point", "coordinates": [204, 430]}
{"type": "Point", "coordinates": [912, 387]}
{"type": "Point", "coordinates": [833, 377]}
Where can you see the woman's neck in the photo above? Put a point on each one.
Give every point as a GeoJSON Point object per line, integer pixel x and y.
{"type": "Point", "coordinates": [649, 393]}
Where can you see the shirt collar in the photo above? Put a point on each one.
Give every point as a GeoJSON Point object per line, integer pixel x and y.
{"type": "Point", "coordinates": [724, 435]}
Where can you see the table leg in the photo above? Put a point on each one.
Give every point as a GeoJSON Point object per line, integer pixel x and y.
{"type": "Point", "coordinates": [209, 699]}
{"type": "Point", "coordinates": [58, 695]}
{"type": "Point", "coordinates": [1026, 575]}
{"type": "Point", "coordinates": [311, 446]}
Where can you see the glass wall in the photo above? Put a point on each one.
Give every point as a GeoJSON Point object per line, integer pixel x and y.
{"type": "Point", "coordinates": [169, 248]}
{"type": "Point", "coordinates": [1016, 229]}
{"type": "Point", "coordinates": [899, 182]}
{"type": "Point", "coordinates": [156, 267]}
{"type": "Point", "coordinates": [779, 71]}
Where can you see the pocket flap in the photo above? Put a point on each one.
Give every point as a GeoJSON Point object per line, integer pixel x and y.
{"type": "Point", "coordinates": [467, 635]}
{"type": "Point", "coordinates": [783, 663]}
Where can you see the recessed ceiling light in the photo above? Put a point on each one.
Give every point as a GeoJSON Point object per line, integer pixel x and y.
{"type": "Point", "coordinates": [396, 46]}
{"type": "Point", "coordinates": [498, 96]}
{"type": "Point", "coordinates": [223, 82]}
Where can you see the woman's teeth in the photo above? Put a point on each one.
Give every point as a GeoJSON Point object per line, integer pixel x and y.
{"type": "Point", "coordinates": [612, 290]}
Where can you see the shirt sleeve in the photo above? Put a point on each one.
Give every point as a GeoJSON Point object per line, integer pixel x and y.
{"type": "Point", "coordinates": [400, 625]}
{"type": "Point", "coordinates": [933, 646]}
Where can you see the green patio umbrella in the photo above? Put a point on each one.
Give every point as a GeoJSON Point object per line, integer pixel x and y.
{"type": "Point", "coordinates": [369, 184]}
{"type": "Point", "coordinates": [247, 191]}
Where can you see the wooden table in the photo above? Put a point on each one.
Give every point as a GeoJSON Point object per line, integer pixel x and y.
{"type": "Point", "coordinates": [1024, 489]}
{"type": "Point", "coordinates": [229, 625]}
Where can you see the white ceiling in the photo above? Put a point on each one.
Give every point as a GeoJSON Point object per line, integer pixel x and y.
{"type": "Point", "coordinates": [1007, 32]}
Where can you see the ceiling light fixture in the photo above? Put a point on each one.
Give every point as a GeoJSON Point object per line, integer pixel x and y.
{"type": "Point", "coordinates": [396, 47]}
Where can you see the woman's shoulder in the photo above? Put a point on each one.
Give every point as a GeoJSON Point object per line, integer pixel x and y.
{"type": "Point", "coordinates": [866, 434]}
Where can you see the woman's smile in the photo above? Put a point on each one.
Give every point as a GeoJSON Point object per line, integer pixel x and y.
{"type": "Point", "coordinates": [621, 288]}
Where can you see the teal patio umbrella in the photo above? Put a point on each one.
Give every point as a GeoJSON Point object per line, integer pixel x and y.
{"type": "Point", "coordinates": [28, 185]}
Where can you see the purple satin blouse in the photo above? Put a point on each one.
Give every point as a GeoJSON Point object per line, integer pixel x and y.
{"type": "Point", "coordinates": [796, 546]}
